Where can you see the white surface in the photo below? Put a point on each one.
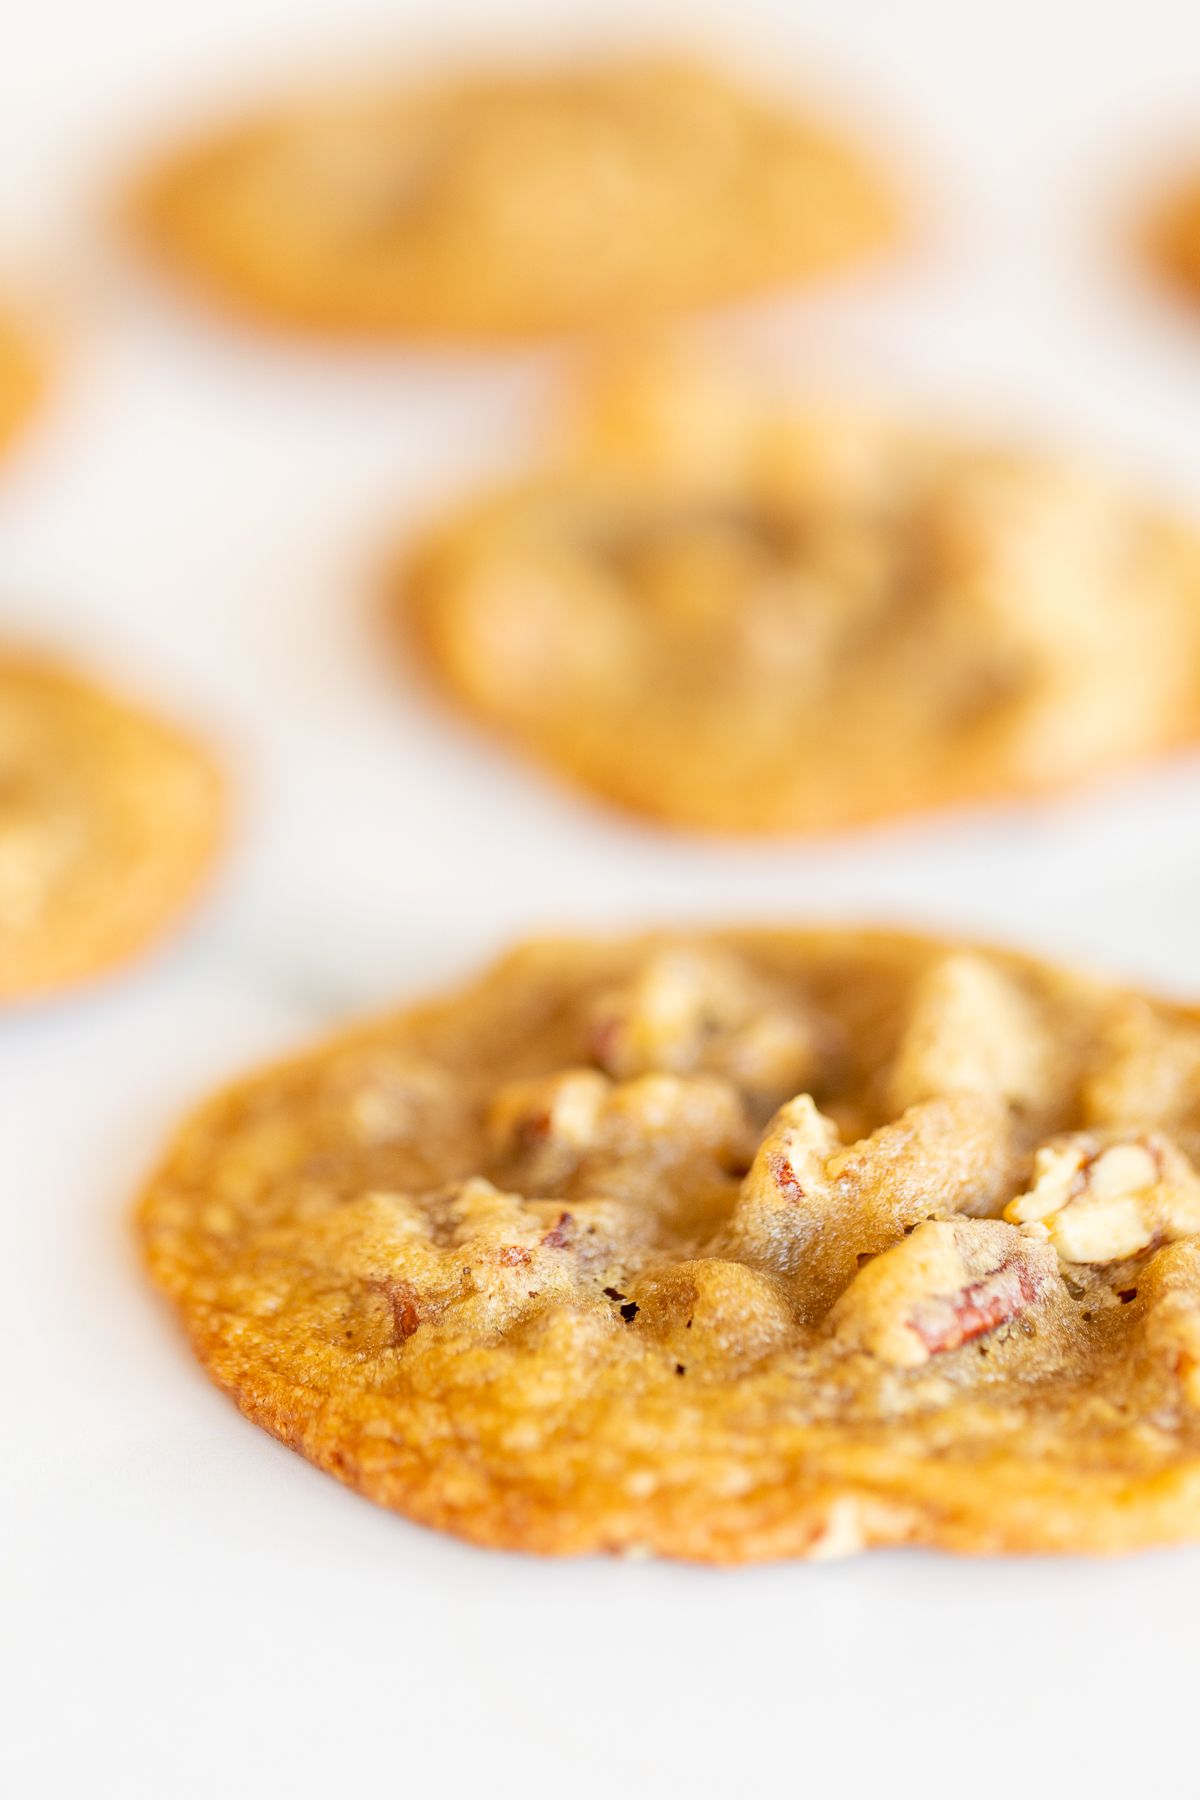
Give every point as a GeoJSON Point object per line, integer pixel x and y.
{"type": "Point", "coordinates": [190, 1609]}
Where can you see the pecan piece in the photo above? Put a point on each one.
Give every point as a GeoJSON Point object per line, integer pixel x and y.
{"type": "Point", "coordinates": [812, 1208]}
{"type": "Point", "coordinates": [971, 1030]}
{"type": "Point", "coordinates": [951, 1320]}
{"type": "Point", "coordinates": [951, 1281]}
{"type": "Point", "coordinates": [1102, 1198]}
{"type": "Point", "coordinates": [560, 1111]}
{"type": "Point", "coordinates": [690, 1011]}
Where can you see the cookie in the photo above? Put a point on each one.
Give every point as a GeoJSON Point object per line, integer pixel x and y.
{"type": "Point", "coordinates": [721, 1246]}
{"type": "Point", "coordinates": [511, 206]}
{"type": "Point", "coordinates": [1174, 238]}
{"type": "Point", "coordinates": [108, 820]}
{"type": "Point", "coordinates": [738, 615]}
{"type": "Point", "coordinates": [20, 379]}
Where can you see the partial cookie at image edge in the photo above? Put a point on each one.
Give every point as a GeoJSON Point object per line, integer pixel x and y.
{"type": "Point", "coordinates": [111, 824]}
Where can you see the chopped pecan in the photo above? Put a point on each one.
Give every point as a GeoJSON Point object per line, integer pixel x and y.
{"type": "Point", "coordinates": [812, 1208]}
{"type": "Point", "coordinates": [790, 1163]}
{"type": "Point", "coordinates": [691, 1010]}
{"type": "Point", "coordinates": [402, 1299]}
{"type": "Point", "coordinates": [971, 1030]}
{"type": "Point", "coordinates": [1103, 1198]}
{"type": "Point", "coordinates": [950, 1320]}
{"type": "Point", "coordinates": [1147, 1074]}
{"type": "Point", "coordinates": [512, 1256]}
{"type": "Point", "coordinates": [561, 1110]}
{"type": "Point", "coordinates": [951, 1281]}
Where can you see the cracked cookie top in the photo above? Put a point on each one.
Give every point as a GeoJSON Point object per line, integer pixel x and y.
{"type": "Point", "coordinates": [724, 1246]}
{"type": "Point", "coordinates": [738, 615]}
{"type": "Point", "coordinates": [108, 819]}
{"type": "Point", "coordinates": [511, 205]}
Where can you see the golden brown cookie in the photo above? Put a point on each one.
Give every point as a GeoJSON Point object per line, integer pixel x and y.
{"type": "Point", "coordinates": [1174, 238]}
{"type": "Point", "coordinates": [516, 205]}
{"type": "Point", "coordinates": [739, 615]}
{"type": "Point", "coordinates": [20, 379]}
{"type": "Point", "coordinates": [724, 1246]}
{"type": "Point", "coordinates": [108, 820]}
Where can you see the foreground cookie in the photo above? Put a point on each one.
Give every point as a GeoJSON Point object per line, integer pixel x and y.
{"type": "Point", "coordinates": [742, 617]}
{"type": "Point", "coordinates": [108, 819]}
{"type": "Point", "coordinates": [726, 1247]}
{"type": "Point", "coordinates": [512, 206]}
{"type": "Point", "coordinates": [19, 379]}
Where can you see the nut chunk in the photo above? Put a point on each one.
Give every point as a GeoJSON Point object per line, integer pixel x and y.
{"type": "Point", "coordinates": [812, 1208]}
{"type": "Point", "coordinates": [971, 1031]}
{"type": "Point", "coordinates": [948, 1283]}
{"type": "Point", "coordinates": [785, 1196]}
{"type": "Point", "coordinates": [1147, 1074]}
{"type": "Point", "coordinates": [1103, 1198]}
{"type": "Point", "coordinates": [561, 1109]}
{"type": "Point", "coordinates": [692, 1010]}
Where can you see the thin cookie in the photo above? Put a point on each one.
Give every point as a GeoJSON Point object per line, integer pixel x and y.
{"type": "Point", "coordinates": [511, 206]}
{"type": "Point", "coordinates": [20, 379]}
{"type": "Point", "coordinates": [737, 614]}
{"type": "Point", "coordinates": [725, 1246]}
{"type": "Point", "coordinates": [108, 822]}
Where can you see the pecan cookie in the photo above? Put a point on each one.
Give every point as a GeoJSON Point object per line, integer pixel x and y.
{"type": "Point", "coordinates": [724, 1246]}
{"type": "Point", "coordinates": [19, 379]}
{"type": "Point", "coordinates": [108, 818]}
{"type": "Point", "coordinates": [1174, 238]}
{"type": "Point", "coordinates": [512, 205]}
{"type": "Point", "coordinates": [739, 616]}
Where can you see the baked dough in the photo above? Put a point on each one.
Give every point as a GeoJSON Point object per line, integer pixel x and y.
{"type": "Point", "coordinates": [108, 820]}
{"type": "Point", "coordinates": [739, 615]}
{"type": "Point", "coordinates": [511, 205]}
{"type": "Point", "coordinates": [722, 1246]}
{"type": "Point", "coordinates": [1175, 238]}
{"type": "Point", "coordinates": [20, 378]}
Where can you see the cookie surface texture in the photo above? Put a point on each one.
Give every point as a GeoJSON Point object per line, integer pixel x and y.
{"type": "Point", "coordinates": [108, 821]}
{"type": "Point", "coordinates": [738, 616]}
{"type": "Point", "coordinates": [725, 1247]}
{"type": "Point", "coordinates": [512, 206]}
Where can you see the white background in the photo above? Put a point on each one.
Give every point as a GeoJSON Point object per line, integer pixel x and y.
{"type": "Point", "coordinates": [190, 1609]}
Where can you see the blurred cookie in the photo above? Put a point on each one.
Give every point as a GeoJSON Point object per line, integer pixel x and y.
{"type": "Point", "coordinates": [511, 206]}
{"type": "Point", "coordinates": [108, 820]}
{"type": "Point", "coordinates": [740, 615]}
{"type": "Point", "coordinates": [20, 379]}
{"type": "Point", "coordinates": [725, 1246]}
{"type": "Point", "coordinates": [1174, 238]}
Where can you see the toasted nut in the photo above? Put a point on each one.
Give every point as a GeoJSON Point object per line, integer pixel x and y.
{"type": "Point", "coordinates": [1101, 1200]}
{"type": "Point", "coordinates": [971, 1031]}
{"type": "Point", "coordinates": [692, 1010]}
{"type": "Point", "coordinates": [949, 1282]}
{"type": "Point", "coordinates": [790, 1163]}
{"type": "Point", "coordinates": [562, 1109]}
{"type": "Point", "coordinates": [1148, 1073]}
{"type": "Point", "coordinates": [811, 1208]}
